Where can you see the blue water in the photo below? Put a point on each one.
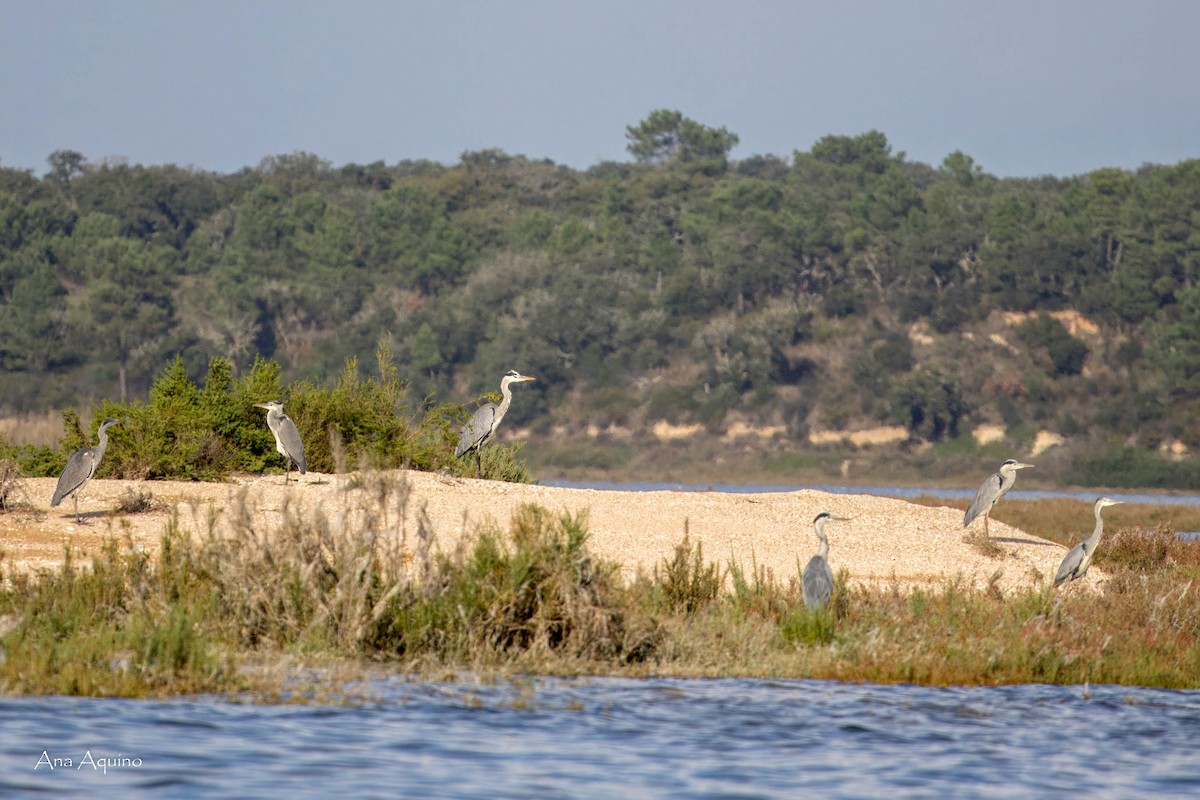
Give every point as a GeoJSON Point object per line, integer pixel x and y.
{"type": "Point", "coordinates": [656, 738]}
{"type": "Point", "coordinates": [905, 492]}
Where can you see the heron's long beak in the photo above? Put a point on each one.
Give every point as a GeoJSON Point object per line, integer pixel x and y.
{"type": "Point", "coordinates": [1024, 466]}
{"type": "Point", "coordinates": [528, 378]}
{"type": "Point", "coordinates": [261, 405]}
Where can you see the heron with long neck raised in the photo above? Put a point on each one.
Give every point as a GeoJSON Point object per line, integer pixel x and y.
{"type": "Point", "coordinates": [81, 468]}
{"type": "Point", "coordinates": [991, 490]}
{"type": "Point", "coordinates": [287, 437]}
{"type": "Point", "coordinates": [816, 585]}
{"type": "Point", "coordinates": [1079, 558]}
{"type": "Point", "coordinates": [481, 427]}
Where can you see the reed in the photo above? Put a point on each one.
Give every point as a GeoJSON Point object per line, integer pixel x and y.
{"type": "Point", "coordinates": [119, 626]}
{"type": "Point", "coordinates": [38, 429]}
{"type": "Point", "coordinates": [12, 486]}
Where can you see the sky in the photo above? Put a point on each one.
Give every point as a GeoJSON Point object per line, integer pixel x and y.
{"type": "Point", "coordinates": [1026, 88]}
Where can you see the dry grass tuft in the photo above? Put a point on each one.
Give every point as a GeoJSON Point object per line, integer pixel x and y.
{"type": "Point", "coordinates": [139, 502]}
{"type": "Point", "coordinates": [320, 579]}
{"type": "Point", "coordinates": [12, 486]}
{"type": "Point", "coordinates": [983, 544]}
{"type": "Point", "coordinates": [38, 429]}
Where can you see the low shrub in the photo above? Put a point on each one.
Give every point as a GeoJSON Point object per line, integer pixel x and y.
{"type": "Point", "coordinates": [119, 626]}
{"type": "Point", "coordinates": [686, 582]}
{"type": "Point", "coordinates": [186, 431]}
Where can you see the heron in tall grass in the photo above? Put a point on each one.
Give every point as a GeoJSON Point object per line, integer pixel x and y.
{"type": "Point", "coordinates": [1079, 558]}
{"type": "Point", "coordinates": [816, 585]}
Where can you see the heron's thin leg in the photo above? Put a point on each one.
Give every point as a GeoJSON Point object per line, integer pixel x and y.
{"type": "Point", "coordinates": [75, 497]}
{"type": "Point", "coordinates": [986, 533]}
{"type": "Point", "coordinates": [478, 463]}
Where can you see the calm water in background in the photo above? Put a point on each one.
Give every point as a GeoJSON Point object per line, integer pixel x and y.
{"type": "Point", "coordinates": [905, 492]}
{"type": "Point", "coordinates": [548, 738]}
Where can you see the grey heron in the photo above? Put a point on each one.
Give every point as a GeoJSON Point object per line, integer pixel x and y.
{"type": "Point", "coordinates": [81, 468]}
{"type": "Point", "coordinates": [816, 585]}
{"type": "Point", "coordinates": [287, 436]}
{"type": "Point", "coordinates": [991, 490]}
{"type": "Point", "coordinates": [481, 427]}
{"type": "Point", "coordinates": [1079, 558]}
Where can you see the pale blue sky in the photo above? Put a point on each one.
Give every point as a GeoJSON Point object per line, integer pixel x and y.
{"type": "Point", "coordinates": [1025, 87]}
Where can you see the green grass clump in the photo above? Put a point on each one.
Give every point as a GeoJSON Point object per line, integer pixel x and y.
{"type": "Point", "coordinates": [686, 582]}
{"type": "Point", "coordinates": [117, 627]}
{"type": "Point", "coordinates": [538, 595]}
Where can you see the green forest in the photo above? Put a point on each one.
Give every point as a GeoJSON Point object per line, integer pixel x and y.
{"type": "Point", "coordinates": [841, 287]}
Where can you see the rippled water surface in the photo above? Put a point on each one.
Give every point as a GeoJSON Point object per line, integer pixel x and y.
{"type": "Point", "coordinates": [549, 738]}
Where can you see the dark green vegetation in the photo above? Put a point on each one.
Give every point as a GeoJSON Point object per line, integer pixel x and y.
{"type": "Point", "coordinates": [205, 432]}
{"type": "Point", "coordinates": [220, 603]}
{"type": "Point", "coordinates": [830, 288]}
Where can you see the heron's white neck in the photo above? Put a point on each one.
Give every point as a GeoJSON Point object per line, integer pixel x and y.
{"type": "Point", "coordinates": [1009, 474]}
{"type": "Point", "coordinates": [101, 444]}
{"type": "Point", "coordinates": [506, 390]}
{"type": "Point", "coordinates": [823, 548]}
{"type": "Point", "coordinates": [1098, 531]}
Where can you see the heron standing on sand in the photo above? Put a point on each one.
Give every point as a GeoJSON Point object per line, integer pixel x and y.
{"type": "Point", "coordinates": [287, 437]}
{"type": "Point", "coordinates": [80, 469]}
{"type": "Point", "coordinates": [1079, 557]}
{"type": "Point", "coordinates": [481, 427]}
{"type": "Point", "coordinates": [990, 492]}
{"type": "Point", "coordinates": [816, 585]}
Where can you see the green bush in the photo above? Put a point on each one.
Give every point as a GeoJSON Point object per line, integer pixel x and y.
{"type": "Point", "coordinates": [35, 461]}
{"type": "Point", "coordinates": [686, 583]}
{"type": "Point", "coordinates": [538, 589]}
{"type": "Point", "coordinates": [364, 413]}
{"type": "Point", "coordinates": [189, 432]}
{"type": "Point", "coordinates": [122, 626]}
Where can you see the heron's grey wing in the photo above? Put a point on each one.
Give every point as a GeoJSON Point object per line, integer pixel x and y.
{"type": "Point", "coordinates": [77, 471]}
{"type": "Point", "coordinates": [1070, 564]}
{"type": "Point", "coordinates": [289, 437]}
{"type": "Point", "coordinates": [985, 498]}
{"type": "Point", "coordinates": [477, 427]}
{"type": "Point", "coordinates": [817, 583]}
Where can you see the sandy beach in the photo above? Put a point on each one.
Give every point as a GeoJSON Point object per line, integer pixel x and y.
{"type": "Point", "coordinates": [887, 540]}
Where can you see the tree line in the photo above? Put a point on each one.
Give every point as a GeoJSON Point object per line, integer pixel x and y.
{"type": "Point", "coordinates": [838, 286]}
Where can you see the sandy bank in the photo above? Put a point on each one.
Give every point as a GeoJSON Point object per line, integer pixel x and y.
{"type": "Point", "coordinates": [887, 538]}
